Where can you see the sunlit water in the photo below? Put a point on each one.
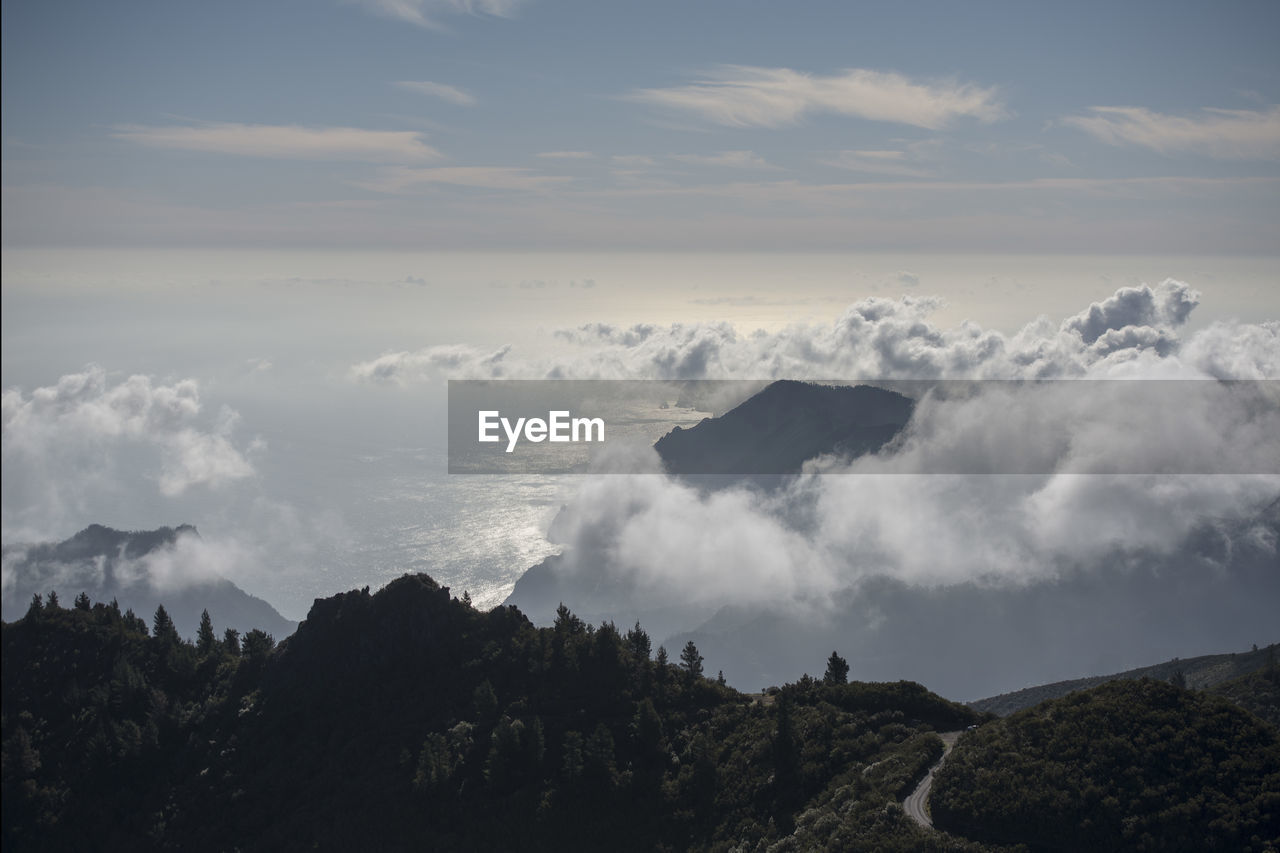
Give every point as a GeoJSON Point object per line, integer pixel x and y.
{"type": "Point", "coordinates": [400, 512]}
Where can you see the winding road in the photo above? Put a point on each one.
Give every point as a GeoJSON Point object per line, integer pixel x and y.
{"type": "Point", "coordinates": [916, 805]}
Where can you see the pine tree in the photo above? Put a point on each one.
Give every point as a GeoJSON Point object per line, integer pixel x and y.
{"type": "Point", "coordinates": [83, 602]}
{"type": "Point", "coordinates": [36, 607]}
{"type": "Point", "coordinates": [566, 622]}
{"type": "Point", "coordinates": [163, 628]}
{"type": "Point", "coordinates": [662, 667]}
{"type": "Point", "coordinates": [52, 601]}
{"type": "Point", "coordinates": [257, 643]}
{"type": "Point", "coordinates": [691, 660]}
{"type": "Point", "coordinates": [638, 642]}
{"type": "Point", "coordinates": [231, 642]}
{"type": "Point", "coordinates": [206, 640]}
{"type": "Point", "coordinates": [131, 619]}
{"type": "Point", "coordinates": [837, 670]}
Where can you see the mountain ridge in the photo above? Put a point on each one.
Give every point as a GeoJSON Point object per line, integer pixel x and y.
{"type": "Point", "coordinates": [107, 564]}
{"type": "Point", "coordinates": [1200, 673]}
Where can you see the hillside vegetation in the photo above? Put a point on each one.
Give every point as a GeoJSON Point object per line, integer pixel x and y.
{"type": "Point", "coordinates": [1257, 692]}
{"type": "Point", "coordinates": [406, 719]}
{"type": "Point", "coordinates": [1128, 765]}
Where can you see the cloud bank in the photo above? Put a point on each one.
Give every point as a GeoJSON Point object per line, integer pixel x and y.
{"type": "Point", "coordinates": [650, 546]}
{"type": "Point", "coordinates": [88, 433]}
{"type": "Point", "coordinates": [1133, 334]}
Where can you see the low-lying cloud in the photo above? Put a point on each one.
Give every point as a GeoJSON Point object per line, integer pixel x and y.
{"type": "Point", "coordinates": [649, 544]}
{"type": "Point", "coordinates": [1133, 334]}
{"type": "Point", "coordinates": [88, 434]}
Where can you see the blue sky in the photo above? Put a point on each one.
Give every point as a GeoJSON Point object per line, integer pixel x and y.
{"type": "Point", "coordinates": [478, 124]}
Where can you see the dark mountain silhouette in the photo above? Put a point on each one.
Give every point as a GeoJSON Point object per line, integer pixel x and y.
{"type": "Point", "coordinates": [1202, 673]}
{"type": "Point", "coordinates": [407, 720]}
{"type": "Point", "coordinates": [775, 431]}
{"type": "Point", "coordinates": [112, 564]}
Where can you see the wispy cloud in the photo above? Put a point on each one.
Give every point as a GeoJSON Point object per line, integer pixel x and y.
{"type": "Point", "coordinates": [797, 191]}
{"type": "Point", "coordinates": [632, 161]}
{"type": "Point", "coordinates": [284, 141]}
{"type": "Point", "coordinates": [425, 13]}
{"type": "Point", "coordinates": [750, 96]}
{"type": "Point", "coordinates": [1225, 134]}
{"type": "Point", "coordinates": [444, 91]}
{"type": "Point", "coordinates": [566, 155]}
{"type": "Point", "coordinates": [484, 177]}
{"type": "Point", "coordinates": [877, 162]}
{"type": "Point", "coordinates": [730, 159]}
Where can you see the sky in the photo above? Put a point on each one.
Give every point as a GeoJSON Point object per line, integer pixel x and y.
{"type": "Point", "coordinates": [246, 244]}
{"type": "Point", "coordinates": [483, 124]}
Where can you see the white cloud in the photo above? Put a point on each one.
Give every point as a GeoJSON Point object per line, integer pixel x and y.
{"type": "Point", "coordinates": [750, 96]}
{"type": "Point", "coordinates": [730, 159]}
{"type": "Point", "coordinates": [453, 360]}
{"type": "Point", "coordinates": [1169, 304]}
{"type": "Point", "coordinates": [424, 13]}
{"type": "Point", "coordinates": [87, 435]}
{"type": "Point", "coordinates": [445, 92]}
{"type": "Point", "coordinates": [485, 177]}
{"type": "Point", "coordinates": [284, 141]}
{"type": "Point", "coordinates": [566, 155]}
{"type": "Point", "coordinates": [1133, 333]}
{"type": "Point", "coordinates": [650, 544]}
{"type": "Point", "coordinates": [1225, 134]}
{"type": "Point", "coordinates": [893, 339]}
